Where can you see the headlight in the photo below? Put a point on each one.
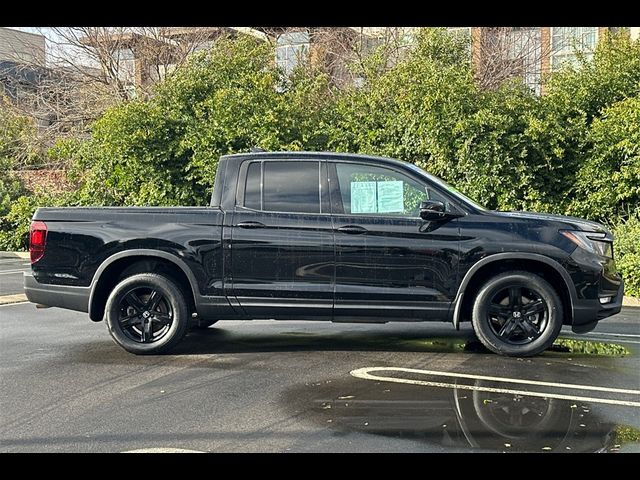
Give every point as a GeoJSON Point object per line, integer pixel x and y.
{"type": "Point", "coordinates": [593, 242]}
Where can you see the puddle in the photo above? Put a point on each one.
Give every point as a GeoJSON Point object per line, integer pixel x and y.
{"type": "Point", "coordinates": [225, 342]}
{"type": "Point", "coordinates": [458, 419]}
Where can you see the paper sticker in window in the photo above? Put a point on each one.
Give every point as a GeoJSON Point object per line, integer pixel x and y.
{"type": "Point", "coordinates": [390, 197]}
{"type": "Point", "coordinates": [363, 197]}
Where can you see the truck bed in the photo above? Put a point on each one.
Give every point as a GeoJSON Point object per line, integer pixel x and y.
{"type": "Point", "coordinates": [79, 239]}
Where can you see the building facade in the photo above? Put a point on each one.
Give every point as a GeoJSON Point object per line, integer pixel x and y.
{"type": "Point", "coordinates": [23, 47]}
{"type": "Point", "coordinates": [22, 68]}
{"type": "Point", "coordinates": [498, 53]}
{"type": "Point", "coordinates": [529, 53]}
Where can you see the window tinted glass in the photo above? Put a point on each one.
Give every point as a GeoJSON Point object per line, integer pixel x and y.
{"type": "Point", "coordinates": [291, 187]}
{"type": "Point", "coordinates": [252, 187]}
{"type": "Point", "coordinates": [369, 190]}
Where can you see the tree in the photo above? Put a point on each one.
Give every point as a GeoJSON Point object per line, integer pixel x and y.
{"type": "Point", "coordinates": [504, 53]}
{"type": "Point", "coordinates": [164, 151]}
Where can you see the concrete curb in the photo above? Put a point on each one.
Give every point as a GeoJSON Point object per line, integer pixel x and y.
{"type": "Point", "coordinates": [631, 302]}
{"type": "Point", "coordinates": [9, 299]}
{"type": "Point", "coordinates": [14, 254]}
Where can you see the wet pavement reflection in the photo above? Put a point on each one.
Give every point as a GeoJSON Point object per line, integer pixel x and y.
{"type": "Point", "coordinates": [456, 418]}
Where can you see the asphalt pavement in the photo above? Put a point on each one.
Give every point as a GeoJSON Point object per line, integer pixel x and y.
{"type": "Point", "coordinates": [11, 278]}
{"type": "Point", "coordinates": [266, 386]}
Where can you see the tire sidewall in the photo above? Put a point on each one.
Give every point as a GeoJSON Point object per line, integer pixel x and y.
{"type": "Point", "coordinates": [525, 280]}
{"type": "Point", "coordinates": [172, 294]}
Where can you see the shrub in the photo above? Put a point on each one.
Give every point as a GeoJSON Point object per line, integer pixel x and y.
{"type": "Point", "coordinates": [627, 251]}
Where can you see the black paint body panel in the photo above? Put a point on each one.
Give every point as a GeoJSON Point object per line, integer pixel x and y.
{"type": "Point", "coordinates": [302, 266]}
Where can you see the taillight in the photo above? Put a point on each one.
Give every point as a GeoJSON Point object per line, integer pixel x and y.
{"type": "Point", "coordinates": [37, 240]}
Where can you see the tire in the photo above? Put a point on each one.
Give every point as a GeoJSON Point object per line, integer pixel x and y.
{"type": "Point", "coordinates": [147, 314]}
{"type": "Point", "coordinates": [202, 324]}
{"type": "Point", "coordinates": [517, 314]}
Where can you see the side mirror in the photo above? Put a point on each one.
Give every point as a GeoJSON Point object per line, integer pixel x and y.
{"type": "Point", "coordinates": [432, 210]}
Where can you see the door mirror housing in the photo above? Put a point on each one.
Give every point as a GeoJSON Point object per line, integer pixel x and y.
{"type": "Point", "coordinates": [432, 210]}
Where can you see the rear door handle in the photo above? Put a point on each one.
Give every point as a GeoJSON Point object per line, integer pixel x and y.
{"type": "Point", "coordinates": [352, 229]}
{"type": "Point", "coordinates": [251, 225]}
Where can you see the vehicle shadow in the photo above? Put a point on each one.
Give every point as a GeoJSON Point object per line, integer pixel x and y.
{"type": "Point", "coordinates": [219, 340]}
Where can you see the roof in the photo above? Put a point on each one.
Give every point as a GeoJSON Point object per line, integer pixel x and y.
{"type": "Point", "coordinates": [294, 155]}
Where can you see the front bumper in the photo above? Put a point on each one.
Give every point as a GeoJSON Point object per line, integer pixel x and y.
{"type": "Point", "coordinates": [588, 312]}
{"type": "Point", "coordinates": [63, 296]}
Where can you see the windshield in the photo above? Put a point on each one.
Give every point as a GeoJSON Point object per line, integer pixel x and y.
{"type": "Point", "coordinates": [448, 188]}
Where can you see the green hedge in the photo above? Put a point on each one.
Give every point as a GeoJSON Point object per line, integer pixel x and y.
{"type": "Point", "coordinates": [627, 252]}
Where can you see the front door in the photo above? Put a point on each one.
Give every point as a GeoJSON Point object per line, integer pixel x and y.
{"type": "Point", "coordinates": [282, 256]}
{"type": "Point", "coordinates": [389, 262]}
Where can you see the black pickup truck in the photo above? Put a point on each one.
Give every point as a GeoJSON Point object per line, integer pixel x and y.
{"type": "Point", "coordinates": [325, 236]}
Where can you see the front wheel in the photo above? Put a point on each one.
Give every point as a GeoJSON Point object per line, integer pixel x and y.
{"type": "Point", "coordinates": [147, 314]}
{"type": "Point", "coordinates": [517, 314]}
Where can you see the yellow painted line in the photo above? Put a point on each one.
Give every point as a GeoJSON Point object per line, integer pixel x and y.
{"type": "Point", "coordinates": [10, 299]}
{"type": "Point", "coordinates": [365, 373]}
{"type": "Point", "coordinates": [4, 255]}
{"type": "Point", "coordinates": [12, 272]}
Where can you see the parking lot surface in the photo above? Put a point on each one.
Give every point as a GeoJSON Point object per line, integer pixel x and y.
{"type": "Point", "coordinates": [267, 386]}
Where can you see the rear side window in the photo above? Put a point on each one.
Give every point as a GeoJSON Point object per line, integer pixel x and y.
{"type": "Point", "coordinates": [286, 187]}
{"type": "Point", "coordinates": [291, 187]}
{"type": "Point", "coordinates": [252, 187]}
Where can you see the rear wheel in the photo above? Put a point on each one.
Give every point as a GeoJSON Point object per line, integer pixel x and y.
{"type": "Point", "coordinates": [147, 314]}
{"type": "Point", "coordinates": [517, 314]}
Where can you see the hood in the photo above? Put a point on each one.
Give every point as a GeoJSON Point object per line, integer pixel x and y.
{"type": "Point", "coordinates": [572, 222]}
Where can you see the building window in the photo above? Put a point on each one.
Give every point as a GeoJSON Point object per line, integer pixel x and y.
{"type": "Point", "coordinates": [126, 65]}
{"type": "Point", "coordinates": [566, 41]}
{"type": "Point", "coordinates": [292, 49]}
{"type": "Point", "coordinates": [524, 48]}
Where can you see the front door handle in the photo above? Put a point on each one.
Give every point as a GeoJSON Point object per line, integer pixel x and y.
{"type": "Point", "coordinates": [352, 229]}
{"type": "Point", "coordinates": [251, 225]}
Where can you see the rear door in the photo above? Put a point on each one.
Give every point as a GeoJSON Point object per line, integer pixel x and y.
{"type": "Point", "coordinates": [389, 262]}
{"type": "Point", "coordinates": [282, 255]}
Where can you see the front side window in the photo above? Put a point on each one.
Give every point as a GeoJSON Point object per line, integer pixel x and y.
{"type": "Point", "coordinates": [286, 187]}
{"type": "Point", "coordinates": [368, 190]}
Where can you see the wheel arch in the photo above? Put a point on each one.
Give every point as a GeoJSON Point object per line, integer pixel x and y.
{"type": "Point", "coordinates": [108, 273]}
{"type": "Point", "coordinates": [546, 267]}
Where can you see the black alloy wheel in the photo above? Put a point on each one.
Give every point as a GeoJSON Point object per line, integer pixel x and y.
{"type": "Point", "coordinates": [147, 313]}
{"type": "Point", "coordinates": [517, 314]}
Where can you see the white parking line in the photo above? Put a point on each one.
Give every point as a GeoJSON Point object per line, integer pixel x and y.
{"type": "Point", "coordinates": [598, 339]}
{"type": "Point", "coordinates": [365, 373]}
{"type": "Point", "coordinates": [571, 386]}
{"type": "Point", "coordinates": [615, 334]}
{"type": "Point", "coordinates": [163, 450]}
